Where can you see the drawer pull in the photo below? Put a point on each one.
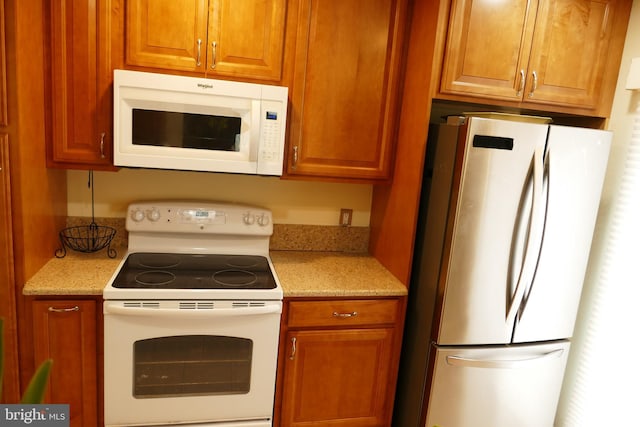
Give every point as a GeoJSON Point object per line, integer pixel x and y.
{"type": "Point", "coordinates": [63, 310]}
{"type": "Point", "coordinates": [293, 348]}
{"type": "Point", "coordinates": [345, 315]}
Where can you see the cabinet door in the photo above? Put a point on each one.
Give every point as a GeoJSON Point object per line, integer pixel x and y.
{"type": "Point", "coordinates": [10, 387]}
{"type": "Point", "coordinates": [3, 70]}
{"type": "Point", "coordinates": [65, 331]}
{"type": "Point", "coordinates": [236, 38]}
{"type": "Point", "coordinates": [488, 47]}
{"type": "Point", "coordinates": [80, 82]}
{"type": "Point", "coordinates": [344, 93]}
{"type": "Point", "coordinates": [246, 38]}
{"type": "Point", "coordinates": [167, 34]}
{"type": "Point", "coordinates": [338, 377]}
{"type": "Point", "coordinates": [570, 51]}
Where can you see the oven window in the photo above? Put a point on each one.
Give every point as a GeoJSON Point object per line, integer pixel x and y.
{"type": "Point", "coordinates": [185, 130]}
{"type": "Point", "coordinates": [191, 365]}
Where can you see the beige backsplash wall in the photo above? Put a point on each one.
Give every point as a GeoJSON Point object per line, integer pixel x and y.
{"type": "Point", "coordinates": [292, 202]}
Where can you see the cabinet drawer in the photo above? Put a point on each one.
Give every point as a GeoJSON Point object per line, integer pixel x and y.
{"type": "Point", "coordinates": [342, 312]}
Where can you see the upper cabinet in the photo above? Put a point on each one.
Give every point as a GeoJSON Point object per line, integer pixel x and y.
{"type": "Point", "coordinates": [555, 55]}
{"type": "Point", "coordinates": [344, 93]}
{"type": "Point", "coordinates": [231, 38]}
{"type": "Point", "coordinates": [80, 67]}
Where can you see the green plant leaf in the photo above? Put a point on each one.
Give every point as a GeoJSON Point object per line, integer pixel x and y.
{"type": "Point", "coordinates": [34, 393]}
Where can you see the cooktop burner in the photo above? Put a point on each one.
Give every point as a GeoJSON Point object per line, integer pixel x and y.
{"type": "Point", "coordinates": [194, 271]}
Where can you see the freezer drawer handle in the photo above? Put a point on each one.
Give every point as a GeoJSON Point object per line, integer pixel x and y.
{"type": "Point", "coordinates": [501, 364]}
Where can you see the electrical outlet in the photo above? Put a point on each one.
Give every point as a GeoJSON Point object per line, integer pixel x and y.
{"type": "Point", "coordinates": [345, 217]}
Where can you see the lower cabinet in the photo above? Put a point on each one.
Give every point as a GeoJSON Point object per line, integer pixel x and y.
{"type": "Point", "coordinates": [338, 362]}
{"type": "Point", "coordinates": [66, 331]}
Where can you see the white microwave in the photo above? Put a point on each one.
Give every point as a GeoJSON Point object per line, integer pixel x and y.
{"type": "Point", "coordinates": [186, 123]}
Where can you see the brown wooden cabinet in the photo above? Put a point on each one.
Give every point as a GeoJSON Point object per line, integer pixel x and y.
{"type": "Point", "coordinates": [540, 54]}
{"type": "Point", "coordinates": [338, 361]}
{"type": "Point", "coordinates": [232, 38]}
{"type": "Point", "coordinates": [10, 384]}
{"type": "Point", "coordinates": [344, 93]}
{"type": "Point", "coordinates": [66, 331]}
{"type": "Point", "coordinates": [80, 65]}
{"type": "Point", "coordinates": [3, 70]}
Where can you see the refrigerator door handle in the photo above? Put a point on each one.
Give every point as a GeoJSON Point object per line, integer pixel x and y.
{"type": "Point", "coordinates": [534, 239]}
{"type": "Point", "coordinates": [543, 219]}
{"type": "Point", "coordinates": [502, 364]}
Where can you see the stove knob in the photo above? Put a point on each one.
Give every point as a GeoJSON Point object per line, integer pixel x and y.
{"type": "Point", "coordinates": [249, 218]}
{"type": "Point", "coordinates": [153, 214]}
{"type": "Point", "coordinates": [263, 220]}
{"type": "Point", "coordinates": [137, 215]}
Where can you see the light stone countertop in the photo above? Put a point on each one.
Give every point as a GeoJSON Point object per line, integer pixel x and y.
{"type": "Point", "coordinates": [333, 274]}
{"type": "Point", "coordinates": [301, 274]}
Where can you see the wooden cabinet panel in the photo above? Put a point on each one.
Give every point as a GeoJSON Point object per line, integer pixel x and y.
{"type": "Point", "coordinates": [338, 378]}
{"type": "Point", "coordinates": [248, 36]}
{"type": "Point", "coordinates": [554, 55]}
{"type": "Point", "coordinates": [167, 34]}
{"type": "Point", "coordinates": [80, 125]}
{"type": "Point", "coordinates": [342, 313]}
{"type": "Point", "coordinates": [66, 331]}
{"type": "Point", "coordinates": [11, 382]}
{"type": "Point", "coordinates": [338, 369]}
{"type": "Point", "coordinates": [570, 50]}
{"type": "Point", "coordinates": [3, 70]}
{"type": "Point", "coordinates": [488, 47]}
{"type": "Point", "coordinates": [235, 38]}
{"type": "Point", "coordinates": [344, 93]}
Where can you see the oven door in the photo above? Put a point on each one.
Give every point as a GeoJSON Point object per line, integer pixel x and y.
{"type": "Point", "coordinates": [175, 362]}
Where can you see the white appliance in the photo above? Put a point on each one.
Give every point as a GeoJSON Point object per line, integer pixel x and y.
{"type": "Point", "coordinates": [506, 222]}
{"type": "Point", "coordinates": [188, 123]}
{"type": "Point", "coordinates": [192, 318]}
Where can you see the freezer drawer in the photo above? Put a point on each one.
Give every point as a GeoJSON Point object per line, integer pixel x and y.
{"type": "Point", "coordinates": [497, 387]}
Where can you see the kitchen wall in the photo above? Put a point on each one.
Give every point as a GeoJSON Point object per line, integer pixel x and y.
{"type": "Point", "coordinates": [292, 202]}
{"type": "Point", "coordinates": [620, 123]}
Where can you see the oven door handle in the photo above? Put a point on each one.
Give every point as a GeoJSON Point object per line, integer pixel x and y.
{"type": "Point", "coordinates": [192, 313]}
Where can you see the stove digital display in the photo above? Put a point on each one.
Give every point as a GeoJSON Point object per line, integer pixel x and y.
{"type": "Point", "coordinates": [202, 216]}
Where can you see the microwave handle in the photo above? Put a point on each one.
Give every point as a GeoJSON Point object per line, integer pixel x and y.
{"type": "Point", "coordinates": [191, 313]}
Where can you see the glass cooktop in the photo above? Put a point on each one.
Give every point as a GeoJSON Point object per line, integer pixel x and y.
{"type": "Point", "coordinates": [194, 271]}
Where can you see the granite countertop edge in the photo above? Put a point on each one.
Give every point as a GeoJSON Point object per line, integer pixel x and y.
{"type": "Point", "coordinates": [304, 274]}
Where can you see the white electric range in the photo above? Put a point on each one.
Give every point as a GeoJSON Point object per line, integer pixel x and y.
{"type": "Point", "coordinates": [192, 318]}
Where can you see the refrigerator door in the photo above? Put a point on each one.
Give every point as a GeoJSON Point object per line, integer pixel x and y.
{"type": "Point", "coordinates": [497, 387]}
{"type": "Point", "coordinates": [575, 167]}
{"type": "Point", "coordinates": [491, 232]}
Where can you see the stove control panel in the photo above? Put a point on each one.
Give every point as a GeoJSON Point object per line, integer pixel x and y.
{"type": "Point", "coordinates": [201, 217]}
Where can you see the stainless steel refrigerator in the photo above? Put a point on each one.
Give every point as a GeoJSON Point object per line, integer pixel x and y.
{"type": "Point", "coordinates": [506, 222]}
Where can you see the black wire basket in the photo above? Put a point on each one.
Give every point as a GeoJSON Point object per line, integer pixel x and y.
{"type": "Point", "coordinates": [87, 238]}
